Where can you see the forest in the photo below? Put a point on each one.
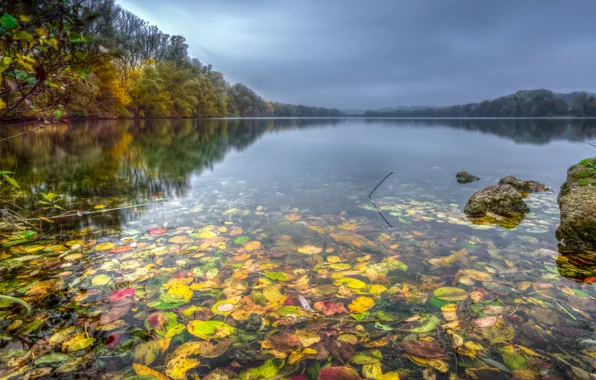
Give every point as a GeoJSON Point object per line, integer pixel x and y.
{"type": "Point", "coordinates": [525, 103]}
{"type": "Point", "coordinates": [91, 58]}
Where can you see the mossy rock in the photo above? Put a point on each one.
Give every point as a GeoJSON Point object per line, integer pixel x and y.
{"type": "Point", "coordinates": [523, 186]}
{"type": "Point", "coordinates": [577, 201]}
{"type": "Point", "coordinates": [465, 177]}
{"type": "Point", "coordinates": [502, 200]}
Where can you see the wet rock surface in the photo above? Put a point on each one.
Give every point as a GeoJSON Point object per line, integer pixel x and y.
{"type": "Point", "coordinates": [465, 177]}
{"type": "Point", "coordinates": [577, 201]}
{"type": "Point", "coordinates": [523, 186]}
{"type": "Point", "coordinates": [502, 200]}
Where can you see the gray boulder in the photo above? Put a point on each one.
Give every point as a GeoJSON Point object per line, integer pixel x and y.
{"type": "Point", "coordinates": [502, 200]}
{"type": "Point", "coordinates": [577, 201]}
{"type": "Point", "coordinates": [465, 177]}
{"type": "Point", "coordinates": [523, 186]}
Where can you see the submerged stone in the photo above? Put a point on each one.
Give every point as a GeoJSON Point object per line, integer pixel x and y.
{"type": "Point", "coordinates": [577, 201]}
{"type": "Point", "coordinates": [523, 186]}
{"type": "Point", "coordinates": [502, 200]}
{"type": "Point", "coordinates": [465, 177]}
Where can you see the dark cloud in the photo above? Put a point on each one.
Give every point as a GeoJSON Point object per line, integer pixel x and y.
{"type": "Point", "coordinates": [359, 54]}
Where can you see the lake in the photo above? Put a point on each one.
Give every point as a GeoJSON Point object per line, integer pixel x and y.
{"type": "Point", "coordinates": [250, 249]}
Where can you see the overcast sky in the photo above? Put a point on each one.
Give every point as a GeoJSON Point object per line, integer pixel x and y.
{"type": "Point", "coordinates": [376, 53]}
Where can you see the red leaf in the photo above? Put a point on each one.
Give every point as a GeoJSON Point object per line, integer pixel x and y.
{"type": "Point", "coordinates": [122, 249]}
{"type": "Point", "coordinates": [300, 377]}
{"type": "Point", "coordinates": [425, 349]}
{"type": "Point", "coordinates": [122, 294]}
{"type": "Point", "coordinates": [330, 307]}
{"type": "Point", "coordinates": [290, 301]}
{"type": "Point", "coordinates": [338, 373]}
{"type": "Point", "coordinates": [158, 231]}
{"type": "Point", "coordinates": [590, 280]}
{"type": "Point", "coordinates": [112, 341]}
{"type": "Point", "coordinates": [180, 273]}
{"type": "Point", "coordinates": [157, 321]}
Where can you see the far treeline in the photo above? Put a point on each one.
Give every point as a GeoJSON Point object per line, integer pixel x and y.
{"type": "Point", "coordinates": [91, 58]}
{"type": "Point", "coordinates": [527, 103]}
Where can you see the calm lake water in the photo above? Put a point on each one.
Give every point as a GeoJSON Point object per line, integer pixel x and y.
{"type": "Point", "coordinates": [250, 249]}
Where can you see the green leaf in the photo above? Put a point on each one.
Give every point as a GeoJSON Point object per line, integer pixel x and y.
{"type": "Point", "coordinates": [17, 300]}
{"type": "Point", "coordinates": [57, 114]}
{"type": "Point", "coordinates": [451, 294]}
{"type": "Point", "coordinates": [30, 327]}
{"type": "Point", "coordinates": [241, 240]}
{"type": "Point", "coordinates": [81, 344]}
{"type": "Point", "coordinates": [11, 180]}
{"type": "Point", "coordinates": [210, 329]}
{"type": "Point", "coordinates": [279, 276]}
{"type": "Point", "coordinates": [55, 357]}
{"type": "Point", "coordinates": [22, 35]}
{"type": "Point", "coordinates": [8, 22]}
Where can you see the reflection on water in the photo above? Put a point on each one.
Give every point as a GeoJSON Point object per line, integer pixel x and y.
{"type": "Point", "coordinates": [258, 237]}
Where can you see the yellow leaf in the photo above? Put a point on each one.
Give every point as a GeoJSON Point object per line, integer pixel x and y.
{"type": "Point", "coordinates": [439, 365]}
{"type": "Point", "coordinates": [352, 283]}
{"type": "Point", "coordinates": [99, 207]}
{"type": "Point", "coordinates": [310, 250]}
{"type": "Point", "coordinates": [388, 376]}
{"type": "Point", "coordinates": [372, 371]}
{"type": "Point", "coordinates": [449, 312]}
{"type": "Point", "coordinates": [142, 370]}
{"type": "Point", "coordinates": [182, 291]}
{"type": "Point", "coordinates": [361, 304]}
{"type": "Point", "coordinates": [178, 366]}
{"type": "Point", "coordinates": [273, 295]}
{"type": "Point", "coordinates": [307, 338]}
{"type": "Point", "coordinates": [376, 289]}
{"type": "Point", "coordinates": [104, 246]}
{"type": "Point", "coordinates": [252, 245]}
{"type": "Point", "coordinates": [293, 217]}
{"type": "Point", "coordinates": [333, 259]}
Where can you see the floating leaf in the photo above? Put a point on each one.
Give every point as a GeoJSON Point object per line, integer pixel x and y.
{"type": "Point", "coordinates": [101, 280]}
{"type": "Point", "coordinates": [105, 246]}
{"type": "Point", "coordinates": [158, 231]}
{"type": "Point", "coordinates": [210, 329]}
{"type": "Point", "coordinates": [121, 294]}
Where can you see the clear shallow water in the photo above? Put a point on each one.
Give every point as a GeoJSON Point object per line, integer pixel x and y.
{"type": "Point", "coordinates": [272, 217]}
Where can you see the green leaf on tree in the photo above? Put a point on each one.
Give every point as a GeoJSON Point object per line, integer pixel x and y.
{"type": "Point", "coordinates": [8, 22]}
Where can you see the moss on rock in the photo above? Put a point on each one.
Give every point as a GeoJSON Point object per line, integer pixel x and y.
{"type": "Point", "coordinates": [577, 201]}
{"type": "Point", "coordinates": [502, 200]}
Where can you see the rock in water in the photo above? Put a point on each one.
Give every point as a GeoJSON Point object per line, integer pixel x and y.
{"type": "Point", "coordinates": [465, 177]}
{"type": "Point", "coordinates": [523, 186]}
{"type": "Point", "coordinates": [502, 200]}
{"type": "Point", "coordinates": [577, 201]}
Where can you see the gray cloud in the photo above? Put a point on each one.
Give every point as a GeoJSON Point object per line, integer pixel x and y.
{"type": "Point", "coordinates": [373, 53]}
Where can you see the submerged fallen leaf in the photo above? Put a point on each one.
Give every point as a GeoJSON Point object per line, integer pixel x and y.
{"type": "Point", "coordinates": [361, 304]}
{"type": "Point", "coordinates": [450, 294]}
{"type": "Point", "coordinates": [310, 250]}
{"type": "Point", "coordinates": [330, 307]}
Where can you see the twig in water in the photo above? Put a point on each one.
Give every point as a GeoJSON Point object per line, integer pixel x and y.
{"type": "Point", "coordinates": [373, 201]}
